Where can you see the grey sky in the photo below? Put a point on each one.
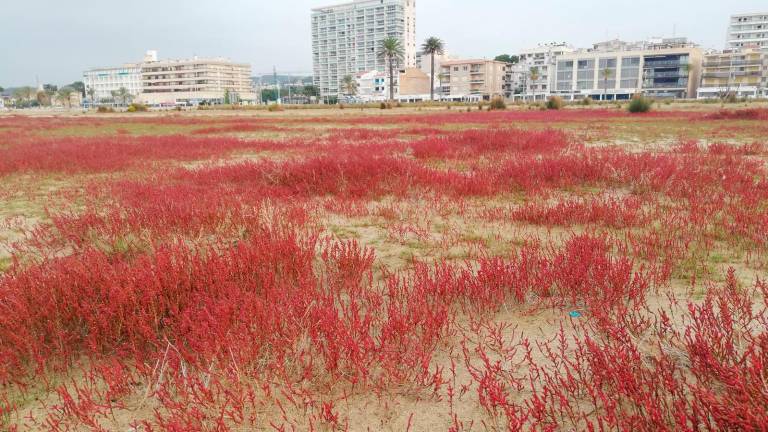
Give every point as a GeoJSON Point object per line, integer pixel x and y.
{"type": "Point", "coordinates": [57, 39]}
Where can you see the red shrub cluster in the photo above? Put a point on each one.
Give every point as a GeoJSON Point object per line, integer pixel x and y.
{"type": "Point", "coordinates": [739, 114]}
{"type": "Point", "coordinates": [218, 299]}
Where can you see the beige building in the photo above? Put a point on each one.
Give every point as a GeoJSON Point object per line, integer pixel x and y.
{"type": "Point", "coordinates": [194, 81]}
{"type": "Point", "coordinates": [663, 69]}
{"type": "Point", "coordinates": [410, 85]}
{"type": "Point", "coordinates": [414, 82]}
{"type": "Point", "coordinates": [743, 73]}
{"type": "Point", "coordinates": [472, 80]}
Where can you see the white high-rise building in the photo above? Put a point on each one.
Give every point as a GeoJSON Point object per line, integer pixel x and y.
{"type": "Point", "coordinates": [346, 39]}
{"type": "Point", "coordinates": [748, 31]}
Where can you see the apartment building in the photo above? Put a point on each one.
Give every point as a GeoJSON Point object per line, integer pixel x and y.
{"type": "Point", "coordinates": [101, 82]}
{"type": "Point", "coordinates": [748, 31]}
{"type": "Point", "coordinates": [533, 76]}
{"type": "Point", "coordinates": [424, 62]}
{"type": "Point", "coordinates": [410, 85]}
{"type": "Point", "coordinates": [194, 81]}
{"type": "Point", "coordinates": [661, 68]}
{"type": "Point", "coordinates": [346, 39]}
{"type": "Point", "coordinates": [739, 72]}
{"type": "Point", "coordinates": [472, 80]}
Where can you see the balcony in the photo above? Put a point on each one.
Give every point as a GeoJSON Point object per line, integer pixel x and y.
{"type": "Point", "coordinates": [671, 74]}
{"type": "Point", "coordinates": [653, 64]}
{"type": "Point", "coordinates": [666, 85]}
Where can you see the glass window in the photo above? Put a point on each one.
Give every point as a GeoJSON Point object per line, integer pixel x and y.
{"type": "Point", "coordinates": [585, 74]}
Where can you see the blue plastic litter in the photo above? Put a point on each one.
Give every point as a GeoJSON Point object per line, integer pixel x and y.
{"type": "Point", "coordinates": [574, 314]}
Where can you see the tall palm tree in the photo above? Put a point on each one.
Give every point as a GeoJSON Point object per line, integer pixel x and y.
{"type": "Point", "coordinates": [392, 51]}
{"type": "Point", "coordinates": [433, 46]}
{"type": "Point", "coordinates": [349, 84]}
{"type": "Point", "coordinates": [605, 73]}
{"type": "Point", "coordinates": [92, 95]}
{"type": "Point", "coordinates": [534, 72]}
{"type": "Point", "coordinates": [64, 95]}
{"type": "Point", "coordinates": [124, 95]}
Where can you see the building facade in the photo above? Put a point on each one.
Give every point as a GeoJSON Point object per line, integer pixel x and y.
{"type": "Point", "coordinates": [346, 39]}
{"type": "Point", "coordinates": [742, 73]}
{"type": "Point", "coordinates": [748, 31]}
{"type": "Point", "coordinates": [663, 69]}
{"type": "Point", "coordinates": [101, 82]}
{"type": "Point", "coordinates": [472, 80]}
{"type": "Point", "coordinates": [410, 85]}
{"type": "Point", "coordinates": [533, 75]}
{"type": "Point", "coordinates": [195, 81]}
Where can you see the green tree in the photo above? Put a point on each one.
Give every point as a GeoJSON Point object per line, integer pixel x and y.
{"type": "Point", "coordinates": [534, 74]}
{"type": "Point", "coordinates": [123, 95]}
{"type": "Point", "coordinates": [2, 89]}
{"type": "Point", "coordinates": [349, 85]}
{"type": "Point", "coordinates": [43, 98]}
{"type": "Point", "coordinates": [79, 87]}
{"type": "Point", "coordinates": [310, 90]}
{"type": "Point", "coordinates": [268, 95]}
{"type": "Point", "coordinates": [392, 51]}
{"type": "Point", "coordinates": [432, 46]}
{"type": "Point", "coordinates": [227, 98]}
{"type": "Point", "coordinates": [606, 74]}
{"type": "Point", "coordinates": [506, 58]}
{"type": "Point", "coordinates": [64, 94]}
{"type": "Point", "coordinates": [25, 93]}
{"type": "Point", "coordinates": [92, 95]}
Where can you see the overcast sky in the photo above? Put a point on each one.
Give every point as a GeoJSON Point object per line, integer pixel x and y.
{"type": "Point", "coordinates": [56, 40]}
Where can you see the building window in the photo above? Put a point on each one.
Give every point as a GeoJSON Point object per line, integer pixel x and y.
{"type": "Point", "coordinates": [564, 75]}
{"type": "Point", "coordinates": [585, 74]}
{"type": "Point", "coordinates": [607, 66]}
{"type": "Point", "coordinates": [630, 72]}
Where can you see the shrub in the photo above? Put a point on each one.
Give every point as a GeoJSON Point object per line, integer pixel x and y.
{"type": "Point", "coordinates": [730, 98]}
{"type": "Point", "coordinates": [136, 107]}
{"type": "Point", "coordinates": [555, 103]}
{"type": "Point", "coordinates": [587, 101]}
{"type": "Point", "coordinates": [274, 107]}
{"type": "Point", "coordinates": [498, 103]}
{"type": "Point", "coordinates": [639, 104]}
{"type": "Point", "coordinates": [105, 109]}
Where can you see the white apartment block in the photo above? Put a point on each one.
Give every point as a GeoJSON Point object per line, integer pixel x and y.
{"type": "Point", "coordinates": [542, 59]}
{"type": "Point", "coordinates": [668, 68]}
{"type": "Point", "coordinates": [196, 80]}
{"type": "Point", "coordinates": [346, 39]}
{"type": "Point", "coordinates": [748, 31]}
{"type": "Point", "coordinates": [106, 80]}
{"type": "Point", "coordinates": [171, 82]}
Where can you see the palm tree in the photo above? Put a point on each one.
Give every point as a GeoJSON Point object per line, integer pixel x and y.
{"type": "Point", "coordinates": [534, 72]}
{"type": "Point", "coordinates": [606, 74]}
{"type": "Point", "coordinates": [124, 95]}
{"type": "Point", "coordinates": [433, 46]}
{"type": "Point", "coordinates": [91, 95]}
{"type": "Point", "coordinates": [391, 50]}
{"type": "Point", "coordinates": [349, 85]}
{"type": "Point", "coordinates": [64, 94]}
